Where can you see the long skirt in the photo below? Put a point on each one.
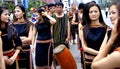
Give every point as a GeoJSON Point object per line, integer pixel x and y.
{"type": "Point", "coordinates": [24, 61]}
{"type": "Point", "coordinates": [41, 56]}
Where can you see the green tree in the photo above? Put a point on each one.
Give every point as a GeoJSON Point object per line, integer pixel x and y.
{"type": "Point", "coordinates": [9, 5]}
{"type": "Point", "coordinates": [35, 4]}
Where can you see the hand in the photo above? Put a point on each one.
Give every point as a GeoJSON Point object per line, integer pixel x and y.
{"type": "Point", "coordinates": [44, 13]}
{"type": "Point", "coordinates": [52, 41]}
{"type": "Point", "coordinates": [32, 49]}
{"type": "Point", "coordinates": [67, 40]}
{"type": "Point", "coordinates": [5, 59]}
{"type": "Point", "coordinates": [70, 13]}
{"type": "Point", "coordinates": [11, 60]}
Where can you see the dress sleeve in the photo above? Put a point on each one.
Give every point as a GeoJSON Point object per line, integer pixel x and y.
{"type": "Point", "coordinates": [18, 42]}
{"type": "Point", "coordinates": [16, 39]}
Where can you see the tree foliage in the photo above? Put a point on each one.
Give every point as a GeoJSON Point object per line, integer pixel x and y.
{"type": "Point", "coordinates": [9, 5]}
{"type": "Point", "coordinates": [31, 3]}
{"type": "Point", "coordinates": [35, 3]}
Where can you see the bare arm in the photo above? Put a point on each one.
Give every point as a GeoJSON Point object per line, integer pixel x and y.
{"type": "Point", "coordinates": [15, 54]}
{"type": "Point", "coordinates": [34, 37]}
{"type": "Point", "coordinates": [79, 30]}
{"type": "Point", "coordinates": [12, 59]}
{"type": "Point", "coordinates": [52, 20]}
{"type": "Point", "coordinates": [68, 32]}
{"type": "Point", "coordinates": [27, 40]}
{"type": "Point", "coordinates": [103, 53]}
{"type": "Point", "coordinates": [104, 43]}
{"type": "Point", "coordinates": [105, 61]}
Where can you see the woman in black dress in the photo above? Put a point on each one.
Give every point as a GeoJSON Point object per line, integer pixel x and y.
{"type": "Point", "coordinates": [92, 34]}
{"type": "Point", "coordinates": [25, 29]}
{"type": "Point", "coordinates": [43, 41]}
{"type": "Point", "coordinates": [11, 42]}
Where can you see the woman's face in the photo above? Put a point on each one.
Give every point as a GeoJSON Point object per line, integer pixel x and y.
{"type": "Point", "coordinates": [5, 16]}
{"type": "Point", "coordinates": [18, 12]}
{"type": "Point", "coordinates": [94, 13]}
{"type": "Point", "coordinates": [113, 13]}
{"type": "Point", "coordinates": [38, 16]}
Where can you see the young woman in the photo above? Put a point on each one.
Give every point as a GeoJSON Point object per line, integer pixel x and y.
{"type": "Point", "coordinates": [44, 51]}
{"type": "Point", "coordinates": [10, 39]}
{"type": "Point", "coordinates": [80, 14]}
{"type": "Point", "coordinates": [25, 30]}
{"type": "Point", "coordinates": [92, 34]}
{"type": "Point", "coordinates": [110, 61]}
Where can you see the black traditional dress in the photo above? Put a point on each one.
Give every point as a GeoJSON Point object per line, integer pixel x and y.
{"type": "Point", "coordinates": [44, 33]}
{"type": "Point", "coordinates": [94, 37]}
{"type": "Point", "coordinates": [11, 41]}
{"type": "Point", "coordinates": [23, 30]}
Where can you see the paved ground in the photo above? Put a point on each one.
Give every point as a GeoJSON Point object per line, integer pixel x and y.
{"type": "Point", "coordinates": [76, 53]}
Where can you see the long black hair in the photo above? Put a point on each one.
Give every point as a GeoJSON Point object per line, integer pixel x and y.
{"type": "Point", "coordinates": [10, 30]}
{"type": "Point", "coordinates": [44, 18]}
{"type": "Point", "coordinates": [23, 10]}
{"type": "Point", "coordinates": [86, 18]}
{"type": "Point", "coordinates": [2, 8]}
{"type": "Point", "coordinates": [24, 15]}
{"type": "Point", "coordinates": [117, 4]}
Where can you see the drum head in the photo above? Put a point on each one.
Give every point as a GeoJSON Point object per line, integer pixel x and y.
{"type": "Point", "coordinates": [59, 48]}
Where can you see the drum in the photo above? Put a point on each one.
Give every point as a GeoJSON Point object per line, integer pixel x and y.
{"type": "Point", "coordinates": [64, 57]}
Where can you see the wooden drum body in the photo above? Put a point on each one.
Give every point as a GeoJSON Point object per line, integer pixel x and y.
{"type": "Point", "coordinates": [64, 57]}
